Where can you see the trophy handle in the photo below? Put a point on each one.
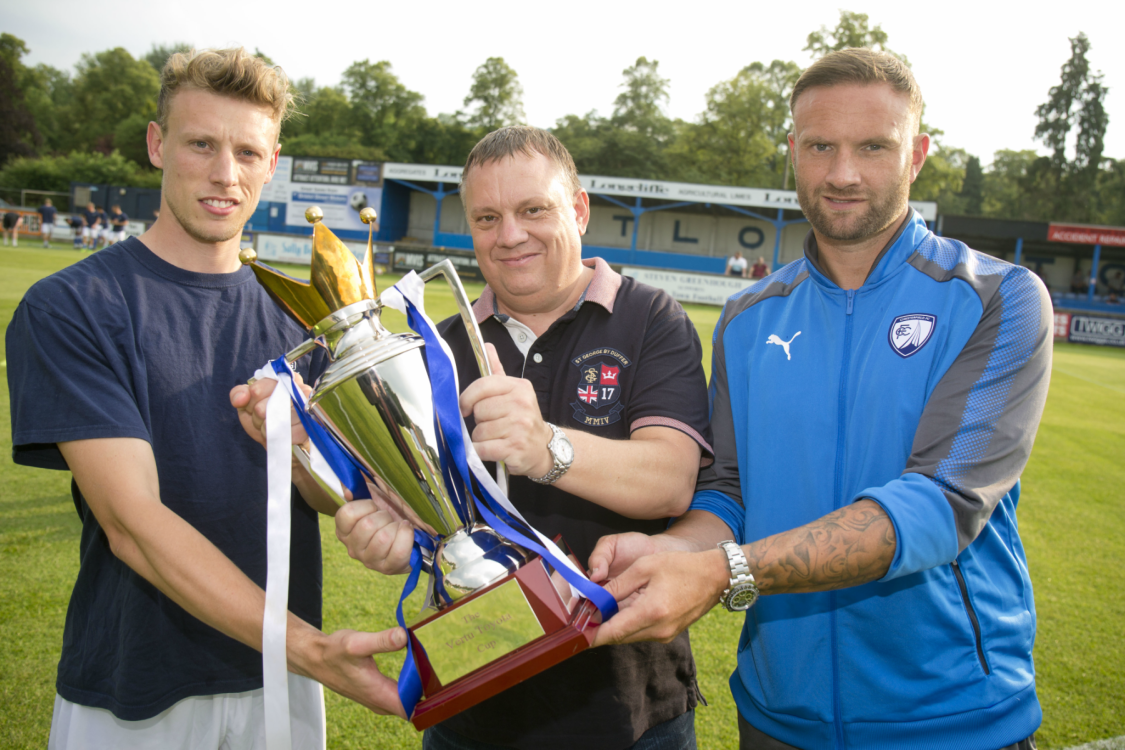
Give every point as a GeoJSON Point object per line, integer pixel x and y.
{"type": "Point", "coordinates": [446, 269]}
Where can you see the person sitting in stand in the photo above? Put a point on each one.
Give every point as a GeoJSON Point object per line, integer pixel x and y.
{"type": "Point", "coordinates": [737, 265]}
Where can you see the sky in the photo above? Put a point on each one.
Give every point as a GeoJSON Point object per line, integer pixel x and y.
{"type": "Point", "coordinates": [983, 68]}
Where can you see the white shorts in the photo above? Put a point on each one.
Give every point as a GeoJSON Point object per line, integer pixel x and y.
{"type": "Point", "coordinates": [47, 230]}
{"type": "Point", "coordinates": [231, 721]}
{"type": "Point", "coordinates": [118, 236]}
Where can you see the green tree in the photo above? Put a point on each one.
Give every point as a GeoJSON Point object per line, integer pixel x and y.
{"type": "Point", "coordinates": [633, 141]}
{"type": "Point", "coordinates": [158, 56]}
{"type": "Point", "coordinates": [1076, 104]}
{"type": "Point", "coordinates": [444, 139]}
{"type": "Point", "coordinates": [49, 94]}
{"type": "Point", "coordinates": [741, 136]}
{"type": "Point", "coordinates": [1014, 187]}
{"type": "Point", "coordinates": [972, 189]}
{"type": "Point", "coordinates": [496, 96]}
{"type": "Point", "coordinates": [57, 172]}
{"type": "Point", "coordinates": [383, 111]}
{"type": "Point", "coordinates": [110, 88]}
{"type": "Point", "coordinates": [19, 135]}
{"type": "Point", "coordinates": [852, 30]}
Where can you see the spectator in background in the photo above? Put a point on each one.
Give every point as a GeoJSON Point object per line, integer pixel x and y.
{"type": "Point", "coordinates": [77, 224]}
{"type": "Point", "coordinates": [737, 265]}
{"type": "Point", "coordinates": [47, 221]}
{"type": "Point", "coordinates": [760, 269]}
{"type": "Point", "coordinates": [104, 228]}
{"type": "Point", "coordinates": [12, 221]}
{"type": "Point", "coordinates": [1115, 286]}
{"type": "Point", "coordinates": [91, 226]}
{"type": "Point", "coordinates": [119, 222]}
{"type": "Point", "coordinates": [1078, 283]}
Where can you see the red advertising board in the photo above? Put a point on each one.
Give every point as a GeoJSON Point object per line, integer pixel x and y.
{"type": "Point", "coordinates": [1086, 235]}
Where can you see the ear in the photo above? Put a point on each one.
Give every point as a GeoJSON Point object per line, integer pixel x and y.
{"type": "Point", "coordinates": [582, 210]}
{"type": "Point", "coordinates": [792, 149]}
{"type": "Point", "coordinates": [918, 154]}
{"type": "Point", "coordinates": [155, 138]}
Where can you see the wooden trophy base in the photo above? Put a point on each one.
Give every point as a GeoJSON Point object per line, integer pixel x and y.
{"type": "Point", "coordinates": [568, 627]}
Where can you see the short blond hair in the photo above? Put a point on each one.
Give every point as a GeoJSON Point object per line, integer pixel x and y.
{"type": "Point", "coordinates": [227, 72]}
{"type": "Point", "coordinates": [526, 140]}
{"type": "Point", "coordinates": [863, 66]}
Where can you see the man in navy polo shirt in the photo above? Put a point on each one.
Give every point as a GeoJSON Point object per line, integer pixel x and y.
{"type": "Point", "coordinates": [92, 226]}
{"type": "Point", "coordinates": [47, 221]}
{"type": "Point", "coordinates": [119, 222]}
{"type": "Point", "coordinates": [601, 418]}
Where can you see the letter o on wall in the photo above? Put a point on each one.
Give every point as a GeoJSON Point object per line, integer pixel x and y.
{"type": "Point", "coordinates": [751, 231]}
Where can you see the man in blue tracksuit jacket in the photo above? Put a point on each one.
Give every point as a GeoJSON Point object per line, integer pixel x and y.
{"type": "Point", "coordinates": [873, 406]}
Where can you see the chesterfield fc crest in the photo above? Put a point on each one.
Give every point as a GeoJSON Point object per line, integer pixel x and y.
{"type": "Point", "coordinates": [909, 333]}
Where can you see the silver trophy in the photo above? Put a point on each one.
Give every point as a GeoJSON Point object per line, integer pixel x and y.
{"type": "Point", "coordinates": [375, 400]}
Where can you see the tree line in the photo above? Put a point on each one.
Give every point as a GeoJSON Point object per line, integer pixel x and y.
{"type": "Point", "coordinates": [90, 126]}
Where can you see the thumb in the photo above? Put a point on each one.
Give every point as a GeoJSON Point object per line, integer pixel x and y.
{"type": "Point", "coordinates": [382, 642]}
{"type": "Point", "coordinates": [494, 360]}
{"type": "Point", "coordinates": [601, 558]}
{"type": "Point", "coordinates": [626, 584]}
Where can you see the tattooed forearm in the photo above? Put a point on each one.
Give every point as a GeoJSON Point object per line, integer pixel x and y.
{"type": "Point", "coordinates": [851, 546]}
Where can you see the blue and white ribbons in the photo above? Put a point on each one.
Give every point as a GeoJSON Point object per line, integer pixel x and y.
{"type": "Point", "coordinates": [495, 508]}
{"type": "Point", "coordinates": [275, 671]}
{"type": "Point", "coordinates": [462, 469]}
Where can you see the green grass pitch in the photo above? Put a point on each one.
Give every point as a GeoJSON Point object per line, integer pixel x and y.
{"type": "Point", "coordinates": [1072, 516]}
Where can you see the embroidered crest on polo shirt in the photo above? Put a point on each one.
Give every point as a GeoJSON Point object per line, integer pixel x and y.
{"type": "Point", "coordinates": [600, 372]}
{"type": "Point", "coordinates": [909, 333]}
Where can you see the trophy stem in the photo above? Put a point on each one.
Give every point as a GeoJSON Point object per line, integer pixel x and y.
{"type": "Point", "coordinates": [476, 339]}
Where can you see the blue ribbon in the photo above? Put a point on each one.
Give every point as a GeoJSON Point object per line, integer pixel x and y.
{"type": "Point", "coordinates": [342, 463]}
{"type": "Point", "coordinates": [492, 512]}
{"type": "Point", "coordinates": [409, 681]}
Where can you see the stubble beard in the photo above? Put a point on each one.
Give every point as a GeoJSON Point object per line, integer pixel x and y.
{"type": "Point", "coordinates": [882, 211]}
{"type": "Point", "coordinates": [218, 233]}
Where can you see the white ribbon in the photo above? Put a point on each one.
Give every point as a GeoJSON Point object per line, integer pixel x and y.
{"type": "Point", "coordinates": [275, 671]}
{"type": "Point", "coordinates": [413, 288]}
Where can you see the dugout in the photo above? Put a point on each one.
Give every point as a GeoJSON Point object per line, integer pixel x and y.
{"type": "Point", "coordinates": [1057, 253]}
{"type": "Point", "coordinates": [139, 204]}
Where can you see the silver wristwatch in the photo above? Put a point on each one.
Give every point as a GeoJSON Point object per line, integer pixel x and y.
{"type": "Point", "coordinates": [742, 592]}
{"type": "Point", "coordinates": [562, 452]}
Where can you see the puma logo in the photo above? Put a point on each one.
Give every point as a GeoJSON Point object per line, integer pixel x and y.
{"type": "Point", "coordinates": [774, 339]}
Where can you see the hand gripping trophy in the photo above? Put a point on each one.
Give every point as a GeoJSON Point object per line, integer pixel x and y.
{"type": "Point", "coordinates": [502, 603]}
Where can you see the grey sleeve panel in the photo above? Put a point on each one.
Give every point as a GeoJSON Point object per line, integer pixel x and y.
{"type": "Point", "coordinates": [723, 475]}
{"type": "Point", "coordinates": [978, 427]}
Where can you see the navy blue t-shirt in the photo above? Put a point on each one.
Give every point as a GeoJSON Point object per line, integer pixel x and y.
{"type": "Point", "coordinates": [119, 221]}
{"type": "Point", "coordinates": [124, 344]}
{"type": "Point", "coordinates": [92, 217]}
{"type": "Point", "coordinates": [48, 214]}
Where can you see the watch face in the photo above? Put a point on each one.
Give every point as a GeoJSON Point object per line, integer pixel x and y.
{"type": "Point", "coordinates": [742, 596]}
{"type": "Point", "coordinates": [563, 450]}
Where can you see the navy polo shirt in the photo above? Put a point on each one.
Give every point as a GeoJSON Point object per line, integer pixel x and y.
{"type": "Point", "coordinates": [626, 357]}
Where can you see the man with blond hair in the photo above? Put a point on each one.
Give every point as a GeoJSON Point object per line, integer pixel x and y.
{"type": "Point", "coordinates": [870, 499]}
{"type": "Point", "coordinates": [119, 369]}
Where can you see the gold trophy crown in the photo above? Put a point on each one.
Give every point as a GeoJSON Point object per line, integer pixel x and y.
{"type": "Point", "coordinates": [337, 278]}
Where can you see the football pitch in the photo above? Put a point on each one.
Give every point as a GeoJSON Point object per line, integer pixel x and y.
{"type": "Point", "coordinates": [1072, 522]}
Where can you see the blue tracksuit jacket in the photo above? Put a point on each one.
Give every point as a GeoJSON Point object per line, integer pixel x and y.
{"type": "Point", "coordinates": [921, 390]}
